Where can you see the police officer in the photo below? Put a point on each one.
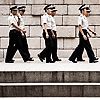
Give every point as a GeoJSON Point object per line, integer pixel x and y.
{"type": "Point", "coordinates": [54, 39]}
{"type": "Point", "coordinates": [14, 37]}
{"type": "Point", "coordinates": [23, 37]}
{"type": "Point", "coordinates": [47, 35]}
{"type": "Point", "coordinates": [79, 57]}
{"type": "Point", "coordinates": [83, 38]}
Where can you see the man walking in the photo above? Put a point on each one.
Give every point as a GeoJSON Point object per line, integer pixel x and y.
{"type": "Point", "coordinates": [83, 38]}
{"type": "Point", "coordinates": [23, 37]}
{"type": "Point", "coordinates": [47, 35]}
{"type": "Point", "coordinates": [54, 39]}
{"type": "Point", "coordinates": [14, 37]}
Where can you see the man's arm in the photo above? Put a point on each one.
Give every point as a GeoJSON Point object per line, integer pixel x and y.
{"type": "Point", "coordinates": [18, 20]}
{"type": "Point", "coordinates": [53, 35]}
{"type": "Point", "coordinates": [17, 27]}
{"type": "Point", "coordinates": [80, 29]}
{"type": "Point", "coordinates": [91, 31]}
{"type": "Point", "coordinates": [45, 28]}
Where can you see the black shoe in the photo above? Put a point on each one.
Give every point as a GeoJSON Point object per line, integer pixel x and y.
{"type": "Point", "coordinates": [93, 61]}
{"type": "Point", "coordinates": [50, 61]}
{"type": "Point", "coordinates": [9, 61]}
{"type": "Point", "coordinates": [72, 60]}
{"type": "Point", "coordinates": [57, 60]}
{"type": "Point", "coordinates": [41, 59]}
{"type": "Point", "coordinates": [96, 59]}
{"type": "Point", "coordinates": [80, 60]}
{"type": "Point", "coordinates": [31, 59]}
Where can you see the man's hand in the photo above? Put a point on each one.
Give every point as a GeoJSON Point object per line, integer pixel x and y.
{"type": "Point", "coordinates": [94, 33]}
{"type": "Point", "coordinates": [53, 36]}
{"type": "Point", "coordinates": [24, 31]}
{"type": "Point", "coordinates": [47, 36]}
{"type": "Point", "coordinates": [85, 38]}
{"type": "Point", "coordinates": [22, 34]}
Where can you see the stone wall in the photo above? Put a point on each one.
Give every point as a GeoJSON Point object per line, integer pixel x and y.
{"type": "Point", "coordinates": [66, 20]}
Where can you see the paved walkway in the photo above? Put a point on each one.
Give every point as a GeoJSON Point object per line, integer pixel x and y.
{"type": "Point", "coordinates": [64, 65]}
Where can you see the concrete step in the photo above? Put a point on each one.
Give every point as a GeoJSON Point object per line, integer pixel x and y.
{"type": "Point", "coordinates": [50, 90]}
{"type": "Point", "coordinates": [50, 77]}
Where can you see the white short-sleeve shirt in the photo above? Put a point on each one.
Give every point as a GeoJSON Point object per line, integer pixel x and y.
{"type": "Point", "coordinates": [46, 19]}
{"type": "Point", "coordinates": [82, 20]}
{"type": "Point", "coordinates": [12, 19]}
{"type": "Point", "coordinates": [22, 26]}
{"type": "Point", "coordinates": [53, 24]}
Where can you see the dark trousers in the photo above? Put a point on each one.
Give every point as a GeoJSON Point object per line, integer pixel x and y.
{"type": "Point", "coordinates": [79, 56]}
{"type": "Point", "coordinates": [83, 44]}
{"type": "Point", "coordinates": [25, 45]}
{"type": "Point", "coordinates": [54, 49]}
{"type": "Point", "coordinates": [46, 53]}
{"type": "Point", "coordinates": [15, 42]}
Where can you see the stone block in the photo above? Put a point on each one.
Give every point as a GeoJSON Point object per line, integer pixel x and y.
{"type": "Point", "coordinates": [4, 31]}
{"type": "Point", "coordinates": [1, 53]}
{"type": "Point", "coordinates": [42, 43]}
{"type": "Point", "coordinates": [7, 1]}
{"type": "Point", "coordinates": [91, 91]}
{"type": "Point", "coordinates": [20, 1]}
{"type": "Point", "coordinates": [38, 9]}
{"type": "Point", "coordinates": [35, 2]}
{"type": "Point", "coordinates": [76, 91]}
{"type": "Point", "coordinates": [5, 21]}
{"type": "Point", "coordinates": [56, 91]}
{"type": "Point", "coordinates": [70, 20]}
{"type": "Point", "coordinates": [64, 53]}
{"type": "Point", "coordinates": [4, 42]}
{"type": "Point", "coordinates": [62, 9]}
{"type": "Point", "coordinates": [57, 77]}
{"type": "Point", "coordinates": [95, 77]}
{"type": "Point", "coordinates": [34, 91]}
{"type": "Point", "coordinates": [46, 77]}
{"type": "Point", "coordinates": [12, 77]}
{"type": "Point", "coordinates": [33, 77]}
{"type": "Point", "coordinates": [98, 52]}
{"type": "Point", "coordinates": [28, 9]}
{"type": "Point", "coordinates": [34, 53]}
{"type": "Point", "coordinates": [95, 43]}
{"type": "Point", "coordinates": [94, 20]}
{"type": "Point", "coordinates": [73, 9]}
{"type": "Point", "coordinates": [66, 31]}
{"type": "Point", "coordinates": [54, 2]}
{"type": "Point", "coordinates": [97, 30]}
{"type": "Point", "coordinates": [4, 10]}
{"type": "Point", "coordinates": [91, 2]}
{"type": "Point", "coordinates": [32, 20]}
{"type": "Point", "coordinates": [14, 91]}
{"type": "Point", "coordinates": [94, 9]}
{"type": "Point", "coordinates": [76, 77]}
{"type": "Point", "coordinates": [58, 20]}
{"type": "Point", "coordinates": [72, 1]}
{"type": "Point", "coordinates": [34, 42]}
{"type": "Point", "coordinates": [36, 31]}
{"type": "Point", "coordinates": [70, 43]}
{"type": "Point", "coordinates": [60, 43]}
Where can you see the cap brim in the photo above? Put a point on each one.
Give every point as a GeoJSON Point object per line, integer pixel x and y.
{"type": "Point", "coordinates": [14, 9]}
{"type": "Point", "coordinates": [53, 10]}
{"type": "Point", "coordinates": [50, 7]}
{"type": "Point", "coordinates": [88, 10]}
